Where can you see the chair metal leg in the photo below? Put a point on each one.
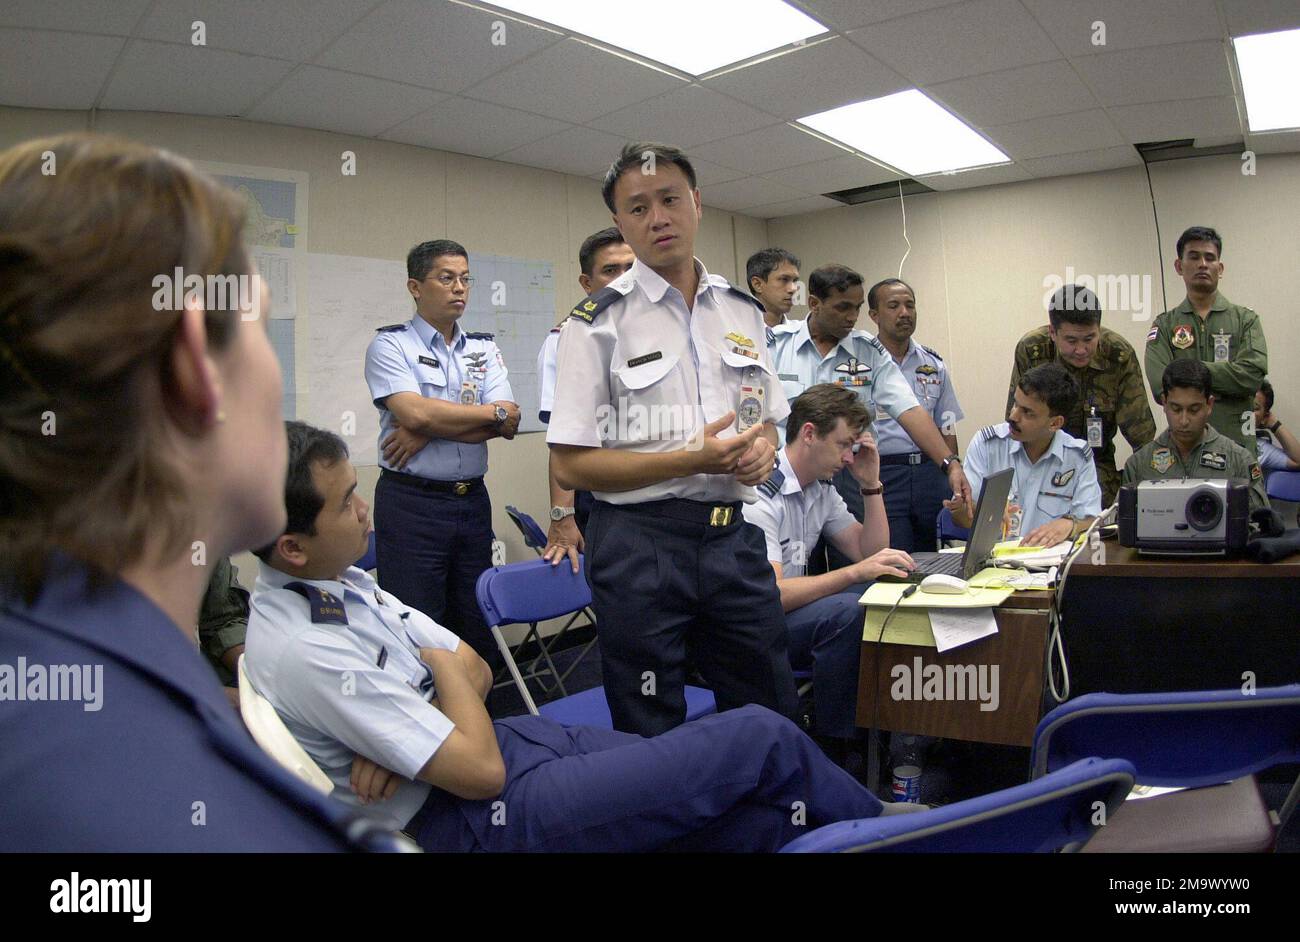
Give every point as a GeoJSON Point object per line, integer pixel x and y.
{"type": "Point", "coordinates": [514, 670]}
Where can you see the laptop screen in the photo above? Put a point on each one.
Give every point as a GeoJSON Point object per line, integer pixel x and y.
{"type": "Point", "coordinates": [987, 527]}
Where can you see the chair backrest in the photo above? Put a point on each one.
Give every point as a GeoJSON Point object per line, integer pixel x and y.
{"type": "Point", "coordinates": [1054, 812]}
{"type": "Point", "coordinates": [1283, 485]}
{"type": "Point", "coordinates": [1175, 739]}
{"type": "Point", "coordinates": [531, 591]}
{"type": "Point", "coordinates": [534, 535]}
{"type": "Point", "coordinates": [274, 737]}
{"type": "Point", "coordinates": [948, 529]}
{"type": "Point", "coordinates": [368, 561]}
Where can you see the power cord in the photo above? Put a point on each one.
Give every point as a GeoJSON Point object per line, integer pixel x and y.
{"type": "Point", "coordinates": [1056, 647]}
{"type": "Point", "coordinates": [875, 700]}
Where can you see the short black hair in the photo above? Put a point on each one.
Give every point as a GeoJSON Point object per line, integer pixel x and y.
{"type": "Point", "coordinates": [1073, 304]}
{"type": "Point", "coordinates": [833, 277]}
{"type": "Point", "coordinates": [1267, 389]}
{"type": "Point", "coordinates": [1053, 384]}
{"type": "Point", "coordinates": [1200, 234]}
{"type": "Point", "coordinates": [420, 259]}
{"type": "Point", "coordinates": [593, 244]}
{"type": "Point", "coordinates": [1186, 373]}
{"type": "Point", "coordinates": [884, 283]}
{"type": "Point", "coordinates": [635, 155]}
{"type": "Point", "coordinates": [307, 446]}
{"type": "Point", "coordinates": [765, 261]}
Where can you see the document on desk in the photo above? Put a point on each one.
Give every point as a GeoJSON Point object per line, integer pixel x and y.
{"type": "Point", "coordinates": [953, 627]}
{"type": "Point", "coordinates": [887, 593]}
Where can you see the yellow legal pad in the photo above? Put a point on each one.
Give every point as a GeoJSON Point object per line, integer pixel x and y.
{"type": "Point", "coordinates": [911, 623]}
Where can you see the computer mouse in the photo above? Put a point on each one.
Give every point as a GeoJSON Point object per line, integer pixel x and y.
{"type": "Point", "coordinates": [939, 584]}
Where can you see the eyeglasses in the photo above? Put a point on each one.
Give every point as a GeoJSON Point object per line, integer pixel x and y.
{"type": "Point", "coordinates": [448, 280]}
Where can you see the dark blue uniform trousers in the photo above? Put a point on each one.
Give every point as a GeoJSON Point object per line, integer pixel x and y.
{"type": "Point", "coordinates": [665, 585]}
{"type": "Point", "coordinates": [745, 780]}
{"type": "Point", "coordinates": [430, 548]}
{"type": "Point", "coordinates": [914, 495]}
{"type": "Point", "coordinates": [826, 636]}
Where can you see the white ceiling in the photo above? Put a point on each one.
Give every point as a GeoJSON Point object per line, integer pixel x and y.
{"type": "Point", "coordinates": [427, 72]}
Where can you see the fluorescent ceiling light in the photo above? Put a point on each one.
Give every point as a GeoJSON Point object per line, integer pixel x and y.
{"type": "Point", "coordinates": [908, 131]}
{"type": "Point", "coordinates": [1270, 74]}
{"type": "Point", "coordinates": [693, 36]}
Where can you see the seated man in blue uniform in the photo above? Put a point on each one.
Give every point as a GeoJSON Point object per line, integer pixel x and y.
{"type": "Point", "coordinates": [797, 506]}
{"type": "Point", "coordinates": [1055, 493]}
{"type": "Point", "coordinates": [390, 705]}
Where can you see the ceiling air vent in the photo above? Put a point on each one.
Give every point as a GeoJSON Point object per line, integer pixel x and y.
{"type": "Point", "coordinates": [1156, 151]}
{"type": "Point", "coordinates": [878, 191]}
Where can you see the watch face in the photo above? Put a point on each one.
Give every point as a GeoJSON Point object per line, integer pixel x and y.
{"type": "Point", "coordinates": [502, 414]}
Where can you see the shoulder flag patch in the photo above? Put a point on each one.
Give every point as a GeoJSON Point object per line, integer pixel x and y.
{"type": "Point", "coordinates": [390, 328]}
{"type": "Point", "coordinates": [589, 309]}
{"type": "Point", "coordinates": [1153, 333]}
{"type": "Point", "coordinates": [326, 609]}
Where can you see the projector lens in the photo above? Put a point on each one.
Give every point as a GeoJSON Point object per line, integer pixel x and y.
{"type": "Point", "coordinates": [1204, 510]}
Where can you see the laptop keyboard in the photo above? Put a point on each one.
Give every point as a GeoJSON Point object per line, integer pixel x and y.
{"type": "Point", "coordinates": [948, 564]}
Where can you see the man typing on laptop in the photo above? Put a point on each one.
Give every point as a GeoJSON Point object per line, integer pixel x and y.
{"type": "Point", "coordinates": [1054, 493]}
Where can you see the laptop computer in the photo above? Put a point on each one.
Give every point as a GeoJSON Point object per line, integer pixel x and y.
{"type": "Point", "coordinates": [984, 535]}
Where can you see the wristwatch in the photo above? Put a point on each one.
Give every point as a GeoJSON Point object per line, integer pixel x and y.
{"type": "Point", "coordinates": [947, 462]}
{"type": "Point", "coordinates": [559, 513]}
{"type": "Point", "coordinates": [501, 415]}
{"type": "Point", "coordinates": [872, 491]}
{"type": "Point", "coordinates": [1274, 427]}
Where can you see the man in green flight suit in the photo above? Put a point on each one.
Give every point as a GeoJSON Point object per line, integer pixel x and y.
{"type": "Point", "coordinates": [1104, 364]}
{"type": "Point", "coordinates": [223, 622]}
{"type": "Point", "coordinates": [1191, 447]}
{"type": "Point", "coordinates": [1208, 327]}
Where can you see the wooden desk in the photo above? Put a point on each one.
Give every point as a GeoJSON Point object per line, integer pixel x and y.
{"type": "Point", "coordinates": [1019, 650]}
{"type": "Point", "coordinates": [1134, 624]}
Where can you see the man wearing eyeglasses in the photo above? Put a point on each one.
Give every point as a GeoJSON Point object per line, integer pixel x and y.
{"type": "Point", "coordinates": [441, 394]}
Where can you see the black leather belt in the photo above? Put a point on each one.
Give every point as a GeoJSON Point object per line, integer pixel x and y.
{"type": "Point", "coordinates": [913, 458]}
{"type": "Point", "coordinates": [688, 511]}
{"type": "Point", "coordinates": [459, 488]}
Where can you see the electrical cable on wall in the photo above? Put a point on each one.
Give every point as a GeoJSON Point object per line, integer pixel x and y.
{"type": "Point", "coordinates": [1156, 216]}
{"type": "Point", "coordinates": [903, 209]}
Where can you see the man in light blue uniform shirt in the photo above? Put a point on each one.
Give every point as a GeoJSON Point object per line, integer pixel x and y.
{"type": "Point", "coordinates": [390, 705]}
{"type": "Point", "coordinates": [914, 487]}
{"type": "Point", "coordinates": [826, 347]}
{"type": "Point", "coordinates": [1055, 493]}
{"type": "Point", "coordinates": [441, 394]}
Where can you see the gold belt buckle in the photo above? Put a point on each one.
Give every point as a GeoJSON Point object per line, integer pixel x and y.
{"type": "Point", "coordinates": [461, 489]}
{"type": "Point", "coordinates": [720, 516]}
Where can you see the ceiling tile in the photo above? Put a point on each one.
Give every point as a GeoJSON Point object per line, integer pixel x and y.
{"type": "Point", "coordinates": [848, 14]}
{"type": "Point", "coordinates": [1260, 16]}
{"type": "Point", "coordinates": [442, 45]}
{"type": "Point", "coordinates": [1128, 25]}
{"type": "Point", "coordinates": [573, 81]}
{"type": "Point", "coordinates": [807, 204]}
{"type": "Point", "coordinates": [953, 42]}
{"type": "Point", "coordinates": [154, 76]}
{"type": "Point", "coordinates": [1059, 134]}
{"type": "Point", "coordinates": [768, 149]}
{"type": "Point", "coordinates": [286, 29]}
{"type": "Point", "coordinates": [810, 80]}
{"type": "Point", "coordinates": [831, 176]}
{"type": "Point", "coordinates": [1033, 91]}
{"type": "Point", "coordinates": [708, 173]}
{"type": "Point", "coordinates": [684, 118]}
{"type": "Point", "coordinates": [54, 70]}
{"type": "Point", "coordinates": [1162, 73]}
{"type": "Point", "coordinates": [83, 16]}
{"type": "Point", "coordinates": [477, 128]}
{"type": "Point", "coordinates": [965, 179]}
{"type": "Point", "coordinates": [749, 191]}
{"type": "Point", "coordinates": [580, 151]}
{"type": "Point", "coordinates": [338, 101]}
{"type": "Point", "coordinates": [1088, 161]}
{"type": "Point", "coordinates": [1170, 120]}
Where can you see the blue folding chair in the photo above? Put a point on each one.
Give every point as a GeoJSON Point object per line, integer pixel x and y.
{"type": "Point", "coordinates": [947, 530]}
{"type": "Point", "coordinates": [1060, 811]}
{"type": "Point", "coordinates": [1283, 485]}
{"type": "Point", "coordinates": [532, 592]}
{"type": "Point", "coordinates": [367, 562]}
{"type": "Point", "coordinates": [1196, 741]}
{"type": "Point", "coordinates": [534, 535]}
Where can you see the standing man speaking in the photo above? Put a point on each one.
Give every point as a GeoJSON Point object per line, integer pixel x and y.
{"type": "Point", "coordinates": [667, 412]}
{"type": "Point", "coordinates": [441, 394]}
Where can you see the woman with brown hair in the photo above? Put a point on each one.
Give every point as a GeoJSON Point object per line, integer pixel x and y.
{"type": "Point", "coordinates": [140, 441]}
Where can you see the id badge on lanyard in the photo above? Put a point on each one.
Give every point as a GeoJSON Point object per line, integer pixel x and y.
{"type": "Point", "coordinates": [1094, 429]}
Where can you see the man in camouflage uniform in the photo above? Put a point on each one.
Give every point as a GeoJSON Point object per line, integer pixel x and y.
{"type": "Point", "coordinates": [223, 622]}
{"type": "Point", "coordinates": [1208, 327]}
{"type": "Point", "coordinates": [1191, 447]}
{"type": "Point", "coordinates": [1104, 364]}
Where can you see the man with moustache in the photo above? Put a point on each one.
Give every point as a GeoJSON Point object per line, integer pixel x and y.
{"type": "Point", "coordinates": [914, 488]}
{"type": "Point", "coordinates": [1104, 364]}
